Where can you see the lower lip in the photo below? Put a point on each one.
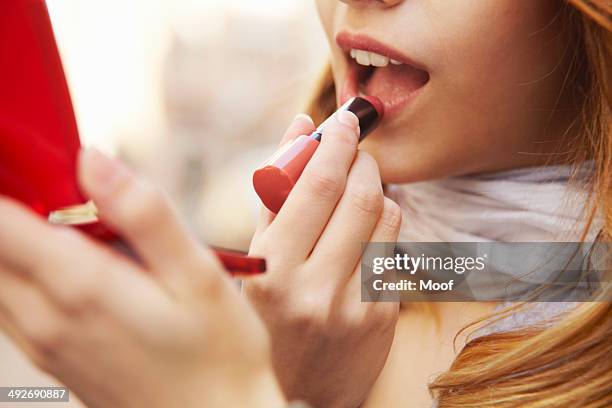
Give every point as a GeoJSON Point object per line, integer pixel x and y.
{"type": "Point", "coordinates": [395, 97]}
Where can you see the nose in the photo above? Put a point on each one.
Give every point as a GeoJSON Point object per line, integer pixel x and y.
{"type": "Point", "coordinates": [388, 3]}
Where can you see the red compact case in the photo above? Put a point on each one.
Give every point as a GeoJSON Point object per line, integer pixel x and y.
{"type": "Point", "coordinates": [275, 179]}
{"type": "Point", "coordinates": [39, 139]}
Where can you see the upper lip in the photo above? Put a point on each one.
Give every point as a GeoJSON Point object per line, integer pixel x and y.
{"type": "Point", "coordinates": [348, 41]}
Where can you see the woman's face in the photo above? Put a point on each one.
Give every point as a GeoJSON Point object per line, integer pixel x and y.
{"type": "Point", "coordinates": [469, 85]}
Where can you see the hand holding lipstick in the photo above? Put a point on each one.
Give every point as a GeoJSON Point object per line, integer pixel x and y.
{"type": "Point", "coordinates": [276, 178]}
{"type": "Point", "coordinates": [310, 296]}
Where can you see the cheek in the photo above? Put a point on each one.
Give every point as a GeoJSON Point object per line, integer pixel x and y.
{"type": "Point", "coordinates": [505, 76]}
{"type": "Point", "coordinates": [502, 51]}
{"type": "Point", "coordinates": [494, 72]}
{"type": "Point", "coordinates": [326, 10]}
{"type": "Point", "coordinates": [497, 71]}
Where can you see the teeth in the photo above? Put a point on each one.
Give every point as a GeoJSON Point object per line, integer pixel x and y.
{"type": "Point", "coordinates": [371, 58]}
{"type": "Point", "coordinates": [362, 57]}
{"type": "Point", "coordinates": [378, 60]}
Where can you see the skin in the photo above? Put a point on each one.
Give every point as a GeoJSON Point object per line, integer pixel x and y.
{"type": "Point", "coordinates": [496, 69]}
{"type": "Point", "coordinates": [127, 334]}
{"type": "Point", "coordinates": [177, 313]}
{"type": "Point", "coordinates": [488, 106]}
{"type": "Point", "coordinates": [310, 297]}
{"type": "Point", "coordinates": [488, 102]}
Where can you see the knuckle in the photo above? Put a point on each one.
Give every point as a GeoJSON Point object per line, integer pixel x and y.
{"type": "Point", "coordinates": [83, 295]}
{"type": "Point", "coordinates": [150, 208]}
{"type": "Point", "coordinates": [369, 317]}
{"type": "Point", "coordinates": [367, 200]}
{"type": "Point", "coordinates": [310, 313]}
{"type": "Point", "coordinates": [345, 136]}
{"type": "Point", "coordinates": [263, 292]}
{"type": "Point", "coordinates": [325, 185]}
{"type": "Point", "coordinates": [364, 186]}
{"type": "Point", "coordinates": [267, 248]}
{"type": "Point", "coordinates": [47, 339]}
{"type": "Point", "coordinates": [212, 285]}
{"type": "Point", "coordinates": [78, 300]}
{"type": "Point", "coordinates": [340, 134]}
{"type": "Point", "coordinates": [257, 290]}
{"type": "Point", "coordinates": [392, 215]}
{"type": "Point", "coordinates": [367, 164]}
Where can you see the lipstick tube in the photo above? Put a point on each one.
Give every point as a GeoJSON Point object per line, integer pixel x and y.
{"type": "Point", "coordinates": [275, 179]}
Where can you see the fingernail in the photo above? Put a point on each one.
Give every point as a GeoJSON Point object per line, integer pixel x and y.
{"type": "Point", "coordinates": [303, 116]}
{"type": "Point", "coordinates": [349, 119]}
{"type": "Point", "coordinates": [100, 170]}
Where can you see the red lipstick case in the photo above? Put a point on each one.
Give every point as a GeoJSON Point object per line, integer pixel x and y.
{"type": "Point", "coordinates": [39, 139]}
{"type": "Point", "coordinates": [275, 179]}
{"type": "Point", "coordinates": [38, 133]}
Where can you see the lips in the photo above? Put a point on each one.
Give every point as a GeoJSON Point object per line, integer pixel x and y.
{"type": "Point", "coordinates": [378, 70]}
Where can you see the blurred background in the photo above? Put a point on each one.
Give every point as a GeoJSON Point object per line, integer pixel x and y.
{"type": "Point", "coordinates": [195, 94]}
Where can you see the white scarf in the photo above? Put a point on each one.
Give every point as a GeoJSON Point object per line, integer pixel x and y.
{"type": "Point", "coordinates": [534, 204]}
{"type": "Point", "coordinates": [537, 204]}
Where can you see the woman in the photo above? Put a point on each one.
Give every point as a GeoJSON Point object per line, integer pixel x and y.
{"type": "Point", "coordinates": [488, 97]}
{"type": "Point", "coordinates": [484, 87]}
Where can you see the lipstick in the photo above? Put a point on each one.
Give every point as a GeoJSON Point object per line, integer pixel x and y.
{"type": "Point", "coordinates": [275, 179]}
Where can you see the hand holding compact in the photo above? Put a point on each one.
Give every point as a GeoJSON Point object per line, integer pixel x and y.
{"type": "Point", "coordinates": [169, 331]}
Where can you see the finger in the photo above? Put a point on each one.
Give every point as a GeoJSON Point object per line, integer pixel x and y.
{"type": "Point", "coordinates": [302, 124]}
{"type": "Point", "coordinates": [36, 249]}
{"type": "Point", "coordinates": [309, 206]}
{"type": "Point", "coordinates": [142, 215]}
{"type": "Point", "coordinates": [354, 219]}
{"type": "Point", "coordinates": [14, 334]}
{"type": "Point", "coordinates": [384, 309]}
{"type": "Point", "coordinates": [387, 230]}
{"type": "Point", "coordinates": [27, 315]}
{"type": "Point", "coordinates": [61, 262]}
{"type": "Point", "coordinates": [388, 226]}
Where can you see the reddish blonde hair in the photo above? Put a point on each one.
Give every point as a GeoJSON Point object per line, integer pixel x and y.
{"type": "Point", "coordinates": [567, 364]}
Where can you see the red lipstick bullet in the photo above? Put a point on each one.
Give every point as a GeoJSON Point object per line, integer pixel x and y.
{"type": "Point", "coordinates": [275, 179]}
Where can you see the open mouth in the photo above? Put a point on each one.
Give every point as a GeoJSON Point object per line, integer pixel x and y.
{"type": "Point", "coordinates": [374, 69]}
